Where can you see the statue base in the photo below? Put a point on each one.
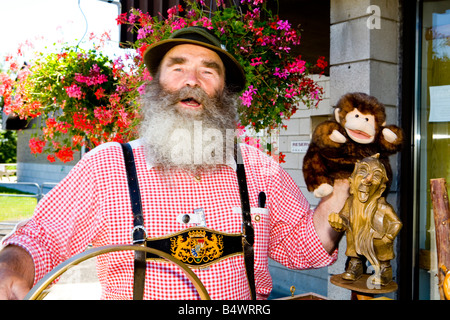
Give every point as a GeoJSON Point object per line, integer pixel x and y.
{"type": "Point", "coordinates": [363, 288]}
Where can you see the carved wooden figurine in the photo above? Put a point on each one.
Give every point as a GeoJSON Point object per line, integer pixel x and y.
{"type": "Point", "coordinates": [370, 223]}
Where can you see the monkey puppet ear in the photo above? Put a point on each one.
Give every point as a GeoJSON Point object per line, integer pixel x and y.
{"type": "Point", "coordinates": [336, 115]}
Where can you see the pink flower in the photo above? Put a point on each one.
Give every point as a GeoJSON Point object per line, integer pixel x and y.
{"type": "Point", "coordinates": [253, 141]}
{"type": "Point", "coordinates": [95, 69]}
{"type": "Point", "coordinates": [281, 74]}
{"type": "Point", "coordinates": [132, 18]}
{"type": "Point", "coordinates": [36, 145]}
{"type": "Point", "coordinates": [290, 92]}
{"type": "Point", "coordinates": [298, 66]}
{"type": "Point", "coordinates": [74, 91]}
{"type": "Point", "coordinates": [123, 121]}
{"type": "Point", "coordinates": [174, 10]}
{"type": "Point", "coordinates": [103, 115]}
{"type": "Point", "coordinates": [247, 96]}
{"type": "Point", "coordinates": [283, 25]}
{"type": "Point", "coordinates": [256, 62]}
{"type": "Point", "coordinates": [141, 89]}
{"type": "Point", "coordinates": [142, 32]}
{"type": "Point", "coordinates": [204, 22]}
{"type": "Point", "coordinates": [94, 77]}
{"type": "Point", "coordinates": [254, 2]}
{"type": "Point", "coordinates": [178, 24]}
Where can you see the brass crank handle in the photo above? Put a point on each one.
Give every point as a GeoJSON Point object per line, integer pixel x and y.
{"type": "Point", "coordinates": [37, 292]}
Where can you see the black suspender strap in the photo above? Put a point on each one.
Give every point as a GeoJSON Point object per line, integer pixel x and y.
{"type": "Point", "coordinates": [138, 232]}
{"type": "Point", "coordinates": [247, 227]}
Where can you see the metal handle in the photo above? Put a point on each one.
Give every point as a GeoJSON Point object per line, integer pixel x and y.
{"type": "Point", "coordinates": [38, 293]}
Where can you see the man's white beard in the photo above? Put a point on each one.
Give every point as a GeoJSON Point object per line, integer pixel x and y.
{"type": "Point", "coordinates": [191, 140]}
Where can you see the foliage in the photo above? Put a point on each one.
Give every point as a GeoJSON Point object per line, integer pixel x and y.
{"type": "Point", "coordinates": [8, 146]}
{"type": "Point", "coordinates": [84, 98]}
{"type": "Point", "coordinates": [8, 143]}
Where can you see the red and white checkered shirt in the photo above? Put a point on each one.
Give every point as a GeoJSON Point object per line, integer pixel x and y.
{"type": "Point", "coordinates": [92, 206]}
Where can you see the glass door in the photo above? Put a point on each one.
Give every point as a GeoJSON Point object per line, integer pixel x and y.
{"type": "Point", "coordinates": [432, 131]}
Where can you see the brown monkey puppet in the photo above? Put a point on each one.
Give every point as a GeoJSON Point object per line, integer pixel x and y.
{"type": "Point", "coordinates": [358, 131]}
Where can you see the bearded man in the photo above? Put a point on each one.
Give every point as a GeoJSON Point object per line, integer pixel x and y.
{"type": "Point", "coordinates": [195, 200]}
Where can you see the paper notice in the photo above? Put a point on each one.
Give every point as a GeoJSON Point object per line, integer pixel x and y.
{"type": "Point", "coordinates": [439, 104]}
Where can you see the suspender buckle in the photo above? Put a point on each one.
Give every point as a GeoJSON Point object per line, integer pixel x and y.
{"type": "Point", "coordinates": [140, 237]}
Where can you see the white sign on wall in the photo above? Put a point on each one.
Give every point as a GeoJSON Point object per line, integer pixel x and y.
{"type": "Point", "coordinates": [299, 146]}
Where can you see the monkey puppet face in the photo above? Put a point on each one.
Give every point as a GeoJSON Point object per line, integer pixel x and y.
{"type": "Point", "coordinates": [360, 127]}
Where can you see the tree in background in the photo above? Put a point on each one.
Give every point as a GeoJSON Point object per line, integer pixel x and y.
{"type": "Point", "coordinates": [8, 143]}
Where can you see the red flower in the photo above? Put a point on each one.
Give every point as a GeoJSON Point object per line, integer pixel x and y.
{"type": "Point", "coordinates": [100, 93]}
{"type": "Point", "coordinates": [62, 55]}
{"type": "Point", "coordinates": [321, 63]}
{"type": "Point", "coordinates": [80, 121]}
{"type": "Point", "coordinates": [36, 145]}
{"type": "Point", "coordinates": [122, 19]}
{"type": "Point", "coordinates": [103, 115]}
{"type": "Point", "coordinates": [142, 49]}
{"type": "Point", "coordinates": [65, 154]}
{"type": "Point", "coordinates": [76, 139]}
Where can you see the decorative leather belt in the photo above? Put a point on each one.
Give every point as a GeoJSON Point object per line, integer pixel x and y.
{"type": "Point", "coordinates": [197, 247]}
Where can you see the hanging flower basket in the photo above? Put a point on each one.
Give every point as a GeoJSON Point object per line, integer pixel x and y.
{"type": "Point", "coordinates": [80, 97]}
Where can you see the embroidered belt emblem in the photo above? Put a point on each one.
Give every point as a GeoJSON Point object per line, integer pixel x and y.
{"type": "Point", "coordinates": [197, 247]}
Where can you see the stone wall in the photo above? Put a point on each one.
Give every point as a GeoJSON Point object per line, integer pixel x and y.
{"type": "Point", "coordinates": [364, 57]}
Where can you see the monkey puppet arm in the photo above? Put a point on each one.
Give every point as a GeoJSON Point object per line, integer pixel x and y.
{"type": "Point", "coordinates": [324, 157]}
{"type": "Point", "coordinates": [391, 139]}
{"type": "Point", "coordinates": [329, 135]}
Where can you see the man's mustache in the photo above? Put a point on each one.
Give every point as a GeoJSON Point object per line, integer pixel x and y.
{"type": "Point", "coordinates": [196, 94]}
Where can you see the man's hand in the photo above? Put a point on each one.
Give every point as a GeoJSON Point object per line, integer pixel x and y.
{"type": "Point", "coordinates": [331, 203]}
{"type": "Point", "coordinates": [12, 286]}
{"type": "Point", "coordinates": [16, 273]}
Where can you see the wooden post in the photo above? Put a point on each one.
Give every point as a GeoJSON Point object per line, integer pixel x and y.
{"type": "Point", "coordinates": [441, 209]}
